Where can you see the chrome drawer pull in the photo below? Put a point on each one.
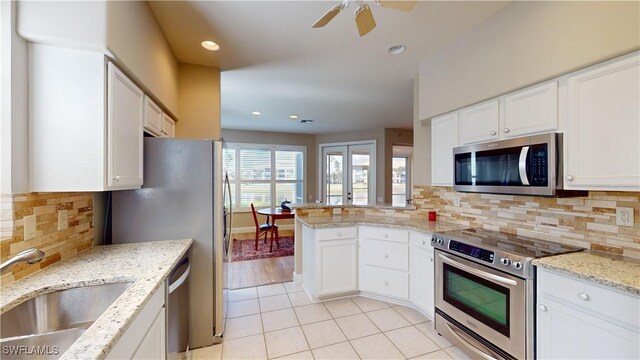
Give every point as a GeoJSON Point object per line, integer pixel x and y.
{"type": "Point", "coordinates": [542, 308]}
{"type": "Point", "coordinates": [584, 296]}
{"type": "Point", "coordinates": [339, 234]}
{"type": "Point", "coordinates": [385, 282]}
{"type": "Point", "coordinates": [385, 256]}
{"type": "Point", "coordinates": [386, 235]}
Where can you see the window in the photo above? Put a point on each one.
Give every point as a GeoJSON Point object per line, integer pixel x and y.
{"type": "Point", "coordinates": [399, 181]}
{"type": "Point", "coordinates": [265, 175]}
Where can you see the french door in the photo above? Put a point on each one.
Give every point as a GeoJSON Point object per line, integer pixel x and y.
{"type": "Point", "coordinates": [348, 174]}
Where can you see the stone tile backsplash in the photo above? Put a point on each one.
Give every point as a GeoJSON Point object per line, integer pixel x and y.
{"type": "Point", "coordinates": [588, 222]}
{"type": "Point", "coordinates": [57, 244]}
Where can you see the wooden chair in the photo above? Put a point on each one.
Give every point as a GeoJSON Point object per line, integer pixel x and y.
{"type": "Point", "coordinates": [264, 228]}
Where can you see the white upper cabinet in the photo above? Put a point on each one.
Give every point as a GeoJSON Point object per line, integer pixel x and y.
{"type": "Point", "coordinates": [168, 126]}
{"type": "Point", "coordinates": [444, 137]}
{"type": "Point", "coordinates": [152, 117]}
{"type": "Point", "coordinates": [602, 109]}
{"type": "Point", "coordinates": [85, 122]}
{"type": "Point", "coordinates": [125, 112]}
{"type": "Point", "coordinates": [529, 111]}
{"type": "Point", "coordinates": [479, 122]}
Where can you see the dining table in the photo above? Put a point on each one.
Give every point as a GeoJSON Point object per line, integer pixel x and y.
{"type": "Point", "coordinates": [273, 214]}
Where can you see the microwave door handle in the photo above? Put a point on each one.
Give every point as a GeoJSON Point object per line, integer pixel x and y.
{"type": "Point", "coordinates": [522, 165]}
{"type": "Point", "coordinates": [485, 275]}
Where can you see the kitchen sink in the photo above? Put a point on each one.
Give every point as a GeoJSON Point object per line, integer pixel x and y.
{"type": "Point", "coordinates": [46, 326]}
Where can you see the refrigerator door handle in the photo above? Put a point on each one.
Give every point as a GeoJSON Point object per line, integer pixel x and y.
{"type": "Point", "coordinates": [228, 185]}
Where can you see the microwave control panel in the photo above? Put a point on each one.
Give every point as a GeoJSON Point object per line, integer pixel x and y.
{"type": "Point", "coordinates": [539, 163]}
{"type": "Point", "coordinates": [473, 251]}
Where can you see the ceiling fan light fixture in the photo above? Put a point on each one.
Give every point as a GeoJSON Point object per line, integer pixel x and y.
{"type": "Point", "coordinates": [364, 19]}
{"type": "Point", "coordinates": [396, 49]}
{"type": "Point", "coordinates": [210, 45]}
{"type": "Point", "coordinates": [293, 116]}
{"type": "Point", "coordinates": [256, 113]}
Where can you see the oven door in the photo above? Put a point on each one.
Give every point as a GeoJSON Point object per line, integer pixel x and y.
{"type": "Point", "coordinates": [488, 302]}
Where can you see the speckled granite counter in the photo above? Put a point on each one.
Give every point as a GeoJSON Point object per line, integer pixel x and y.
{"type": "Point", "coordinates": [619, 272]}
{"type": "Point", "coordinates": [318, 222]}
{"type": "Point", "coordinates": [376, 206]}
{"type": "Point", "coordinates": [146, 265]}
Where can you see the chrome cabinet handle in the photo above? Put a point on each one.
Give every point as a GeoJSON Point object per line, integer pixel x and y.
{"type": "Point", "coordinates": [584, 296]}
{"type": "Point", "coordinates": [385, 256]}
{"type": "Point", "coordinates": [116, 178]}
{"type": "Point", "coordinates": [385, 282]}
{"type": "Point", "coordinates": [506, 130]}
{"type": "Point", "coordinates": [386, 235]}
{"type": "Point", "coordinates": [339, 234]}
{"type": "Point", "coordinates": [493, 133]}
{"type": "Point", "coordinates": [424, 242]}
{"type": "Point", "coordinates": [430, 259]}
{"type": "Point", "coordinates": [569, 178]}
{"type": "Point", "coordinates": [542, 308]}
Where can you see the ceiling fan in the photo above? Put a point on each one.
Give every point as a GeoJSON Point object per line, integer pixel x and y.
{"type": "Point", "coordinates": [363, 15]}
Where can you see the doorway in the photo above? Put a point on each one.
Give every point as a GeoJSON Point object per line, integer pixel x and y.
{"type": "Point", "coordinates": [348, 172]}
{"type": "Point", "coordinates": [401, 175]}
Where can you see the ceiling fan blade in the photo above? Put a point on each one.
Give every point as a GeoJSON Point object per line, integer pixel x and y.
{"type": "Point", "coordinates": [324, 20]}
{"type": "Point", "coordinates": [364, 19]}
{"type": "Point", "coordinates": [402, 5]}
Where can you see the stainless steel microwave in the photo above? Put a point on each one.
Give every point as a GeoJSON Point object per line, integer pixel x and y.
{"type": "Point", "coordinates": [530, 165]}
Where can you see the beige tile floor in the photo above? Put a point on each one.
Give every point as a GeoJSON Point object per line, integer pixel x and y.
{"type": "Point", "coordinates": [279, 321]}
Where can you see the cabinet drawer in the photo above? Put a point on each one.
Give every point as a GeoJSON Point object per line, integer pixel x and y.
{"type": "Point", "coordinates": [379, 233]}
{"type": "Point", "coordinates": [337, 233]}
{"type": "Point", "coordinates": [421, 240]}
{"type": "Point", "coordinates": [385, 281]}
{"type": "Point", "coordinates": [385, 253]}
{"type": "Point", "coordinates": [591, 297]}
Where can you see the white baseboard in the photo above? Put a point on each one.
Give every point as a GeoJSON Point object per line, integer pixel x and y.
{"type": "Point", "coordinates": [297, 278]}
{"type": "Point", "coordinates": [251, 229]}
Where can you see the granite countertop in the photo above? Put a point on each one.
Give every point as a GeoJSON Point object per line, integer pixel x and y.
{"type": "Point", "coordinates": [376, 206]}
{"type": "Point", "coordinates": [617, 271]}
{"type": "Point", "coordinates": [146, 265]}
{"type": "Point", "coordinates": [423, 225]}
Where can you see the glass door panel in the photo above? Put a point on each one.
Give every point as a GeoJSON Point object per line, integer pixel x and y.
{"type": "Point", "coordinates": [360, 170]}
{"type": "Point", "coordinates": [399, 181]}
{"type": "Point", "coordinates": [334, 175]}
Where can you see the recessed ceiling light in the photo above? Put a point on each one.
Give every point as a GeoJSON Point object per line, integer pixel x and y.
{"type": "Point", "coordinates": [306, 121]}
{"type": "Point", "coordinates": [210, 45]}
{"type": "Point", "coordinates": [293, 116]}
{"type": "Point", "coordinates": [256, 113]}
{"type": "Point", "coordinates": [396, 49]}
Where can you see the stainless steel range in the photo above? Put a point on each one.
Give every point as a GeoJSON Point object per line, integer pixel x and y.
{"type": "Point", "coordinates": [485, 290]}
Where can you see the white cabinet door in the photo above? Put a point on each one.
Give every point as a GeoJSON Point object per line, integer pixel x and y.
{"type": "Point", "coordinates": [337, 266]}
{"type": "Point", "coordinates": [532, 110]}
{"type": "Point", "coordinates": [566, 333]}
{"type": "Point", "coordinates": [444, 137]}
{"type": "Point", "coordinates": [168, 126]}
{"type": "Point", "coordinates": [422, 287]}
{"type": "Point", "coordinates": [153, 345]}
{"type": "Point", "coordinates": [125, 107]}
{"type": "Point", "coordinates": [152, 117]}
{"type": "Point", "coordinates": [603, 127]}
{"type": "Point", "coordinates": [479, 122]}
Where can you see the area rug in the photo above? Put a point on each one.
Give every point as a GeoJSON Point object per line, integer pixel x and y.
{"type": "Point", "coordinates": [245, 249]}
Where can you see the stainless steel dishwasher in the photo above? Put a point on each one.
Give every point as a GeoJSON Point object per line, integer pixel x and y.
{"type": "Point", "coordinates": [178, 309]}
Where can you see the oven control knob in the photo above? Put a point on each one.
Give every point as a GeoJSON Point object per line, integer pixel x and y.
{"type": "Point", "coordinates": [505, 261]}
{"type": "Point", "coordinates": [434, 239]}
{"type": "Point", "coordinates": [517, 265]}
{"type": "Point", "coordinates": [440, 241]}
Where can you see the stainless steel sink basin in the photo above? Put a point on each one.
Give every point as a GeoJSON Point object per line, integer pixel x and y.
{"type": "Point", "coordinates": [53, 321]}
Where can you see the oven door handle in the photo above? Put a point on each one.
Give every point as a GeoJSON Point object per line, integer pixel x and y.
{"type": "Point", "coordinates": [470, 346]}
{"type": "Point", "coordinates": [522, 165]}
{"type": "Point", "coordinates": [482, 274]}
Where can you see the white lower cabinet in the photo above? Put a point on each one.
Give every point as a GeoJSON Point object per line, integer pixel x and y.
{"type": "Point", "coordinates": [577, 319]}
{"type": "Point", "coordinates": [146, 336]}
{"type": "Point", "coordinates": [422, 273]}
{"type": "Point", "coordinates": [329, 261]}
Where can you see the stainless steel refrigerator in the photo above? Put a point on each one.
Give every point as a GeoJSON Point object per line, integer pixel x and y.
{"type": "Point", "coordinates": [185, 195]}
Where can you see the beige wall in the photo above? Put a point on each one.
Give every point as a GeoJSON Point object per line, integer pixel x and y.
{"type": "Point", "coordinates": [199, 102]}
{"type": "Point", "coordinates": [524, 43]}
{"type": "Point", "coordinates": [135, 38]}
{"type": "Point", "coordinates": [245, 219]}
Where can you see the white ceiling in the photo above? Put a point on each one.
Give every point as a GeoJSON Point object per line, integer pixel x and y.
{"type": "Point", "coordinates": [275, 63]}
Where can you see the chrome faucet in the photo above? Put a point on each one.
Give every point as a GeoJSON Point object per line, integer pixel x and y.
{"type": "Point", "coordinates": [30, 256]}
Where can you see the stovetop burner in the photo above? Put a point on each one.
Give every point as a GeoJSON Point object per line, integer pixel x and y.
{"type": "Point", "coordinates": [506, 252]}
